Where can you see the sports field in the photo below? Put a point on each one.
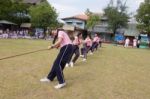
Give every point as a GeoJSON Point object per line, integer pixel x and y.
{"type": "Point", "coordinates": [111, 73]}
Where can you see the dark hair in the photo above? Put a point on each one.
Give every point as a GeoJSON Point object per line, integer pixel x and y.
{"type": "Point", "coordinates": [56, 36]}
{"type": "Point", "coordinates": [89, 36]}
{"type": "Point", "coordinates": [97, 34]}
{"type": "Point", "coordinates": [79, 34]}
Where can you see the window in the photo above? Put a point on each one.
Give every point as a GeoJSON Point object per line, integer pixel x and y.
{"type": "Point", "coordinates": [70, 23]}
{"type": "Point", "coordinates": [79, 23]}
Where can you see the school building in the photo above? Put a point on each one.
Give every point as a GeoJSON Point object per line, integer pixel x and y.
{"type": "Point", "coordinates": [76, 24]}
{"type": "Point", "coordinates": [102, 28]}
{"type": "Point", "coordinates": [132, 32]}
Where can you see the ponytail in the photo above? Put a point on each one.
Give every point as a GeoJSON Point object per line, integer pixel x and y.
{"type": "Point", "coordinates": [56, 36]}
{"type": "Point", "coordinates": [79, 34]}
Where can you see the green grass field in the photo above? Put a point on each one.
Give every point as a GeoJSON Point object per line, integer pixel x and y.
{"type": "Point", "coordinates": [111, 73]}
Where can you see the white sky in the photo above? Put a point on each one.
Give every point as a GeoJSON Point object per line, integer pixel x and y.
{"type": "Point", "coordinates": [67, 8]}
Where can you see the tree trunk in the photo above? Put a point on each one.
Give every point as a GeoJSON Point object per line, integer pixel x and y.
{"type": "Point", "coordinates": [44, 33]}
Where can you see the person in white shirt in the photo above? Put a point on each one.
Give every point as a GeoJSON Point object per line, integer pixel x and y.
{"type": "Point", "coordinates": [134, 42]}
{"type": "Point", "coordinates": [127, 41]}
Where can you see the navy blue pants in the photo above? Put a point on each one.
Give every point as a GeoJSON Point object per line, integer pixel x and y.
{"type": "Point", "coordinates": [100, 44]}
{"type": "Point", "coordinates": [59, 64]}
{"type": "Point", "coordinates": [94, 46]}
{"type": "Point", "coordinates": [76, 52]}
{"type": "Point", "coordinates": [85, 50]}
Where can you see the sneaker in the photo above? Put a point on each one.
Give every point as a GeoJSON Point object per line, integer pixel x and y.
{"type": "Point", "coordinates": [67, 65]}
{"type": "Point", "coordinates": [44, 80]}
{"type": "Point", "coordinates": [91, 53]}
{"type": "Point", "coordinates": [84, 60]}
{"type": "Point", "coordinates": [71, 64]}
{"type": "Point", "coordinates": [82, 56]}
{"type": "Point", "coordinates": [60, 86]}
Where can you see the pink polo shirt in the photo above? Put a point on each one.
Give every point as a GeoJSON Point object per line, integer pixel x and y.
{"type": "Point", "coordinates": [77, 41]}
{"type": "Point", "coordinates": [99, 39]}
{"type": "Point", "coordinates": [95, 39]}
{"type": "Point", "coordinates": [88, 42]}
{"type": "Point", "coordinates": [65, 38]}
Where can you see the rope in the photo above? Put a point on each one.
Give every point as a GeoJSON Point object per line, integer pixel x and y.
{"type": "Point", "coordinates": [22, 54]}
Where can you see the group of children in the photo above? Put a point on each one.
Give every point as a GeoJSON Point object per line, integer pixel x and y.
{"type": "Point", "coordinates": [67, 51]}
{"type": "Point", "coordinates": [135, 43]}
{"type": "Point", "coordinates": [88, 45]}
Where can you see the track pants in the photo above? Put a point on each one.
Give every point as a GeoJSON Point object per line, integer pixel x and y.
{"type": "Point", "coordinates": [94, 46]}
{"type": "Point", "coordinates": [59, 64]}
{"type": "Point", "coordinates": [85, 50]}
{"type": "Point", "coordinates": [76, 52]}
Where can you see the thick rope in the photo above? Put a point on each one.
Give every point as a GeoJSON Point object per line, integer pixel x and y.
{"type": "Point", "coordinates": [22, 54]}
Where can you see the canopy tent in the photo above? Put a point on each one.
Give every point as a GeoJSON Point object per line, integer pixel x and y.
{"type": "Point", "coordinates": [7, 22]}
{"type": "Point", "coordinates": [25, 25]}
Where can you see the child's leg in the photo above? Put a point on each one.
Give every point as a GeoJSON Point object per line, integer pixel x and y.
{"type": "Point", "coordinates": [77, 54]}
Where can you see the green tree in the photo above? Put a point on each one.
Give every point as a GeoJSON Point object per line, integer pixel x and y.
{"type": "Point", "coordinates": [43, 16]}
{"type": "Point", "coordinates": [19, 12]}
{"type": "Point", "coordinates": [13, 11]}
{"type": "Point", "coordinates": [92, 20]}
{"type": "Point", "coordinates": [5, 9]}
{"type": "Point", "coordinates": [143, 16]}
{"type": "Point", "coordinates": [117, 15]}
{"type": "Point", "coordinates": [88, 12]}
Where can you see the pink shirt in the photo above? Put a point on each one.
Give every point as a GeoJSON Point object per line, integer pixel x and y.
{"type": "Point", "coordinates": [65, 38]}
{"type": "Point", "coordinates": [77, 41]}
{"type": "Point", "coordinates": [88, 42]}
{"type": "Point", "coordinates": [95, 39]}
{"type": "Point", "coordinates": [99, 39]}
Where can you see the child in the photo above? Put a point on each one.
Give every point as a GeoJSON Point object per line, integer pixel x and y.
{"type": "Point", "coordinates": [134, 42]}
{"type": "Point", "coordinates": [86, 47]}
{"type": "Point", "coordinates": [127, 41]}
{"type": "Point", "coordinates": [66, 48]}
{"type": "Point", "coordinates": [95, 43]}
{"type": "Point", "coordinates": [76, 43]}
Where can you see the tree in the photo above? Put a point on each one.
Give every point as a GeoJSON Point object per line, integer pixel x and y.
{"type": "Point", "coordinates": [92, 20]}
{"type": "Point", "coordinates": [117, 15]}
{"type": "Point", "coordinates": [43, 16]}
{"type": "Point", "coordinates": [88, 12]}
{"type": "Point", "coordinates": [13, 11]}
{"type": "Point", "coordinates": [143, 16]}
{"type": "Point", "coordinates": [5, 9]}
{"type": "Point", "coordinates": [19, 12]}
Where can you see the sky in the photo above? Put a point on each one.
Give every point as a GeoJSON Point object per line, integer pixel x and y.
{"type": "Point", "coordinates": [67, 8]}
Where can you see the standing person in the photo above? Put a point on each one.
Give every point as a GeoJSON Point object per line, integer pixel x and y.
{"type": "Point", "coordinates": [138, 43]}
{"type": "Point", "coordinates": [66, 48]}
{"type": "Point", "coordinates": [127, 41]}
{"type": "Point", "coordinates": [86, 47]}
{"type": "Point", "coordinates": [134, 42]}
{"type": "Point", "coordinates": [76, 43]}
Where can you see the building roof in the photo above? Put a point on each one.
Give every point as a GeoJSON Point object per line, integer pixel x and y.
{"type": "Point", "coordinates": [32, 1]}
{"type": "Point", "coordinates": [79, 16]}
{"type": "Point", "coordinates": [7, 22]}
{"type": "Point", "coordinates": [25, 25]}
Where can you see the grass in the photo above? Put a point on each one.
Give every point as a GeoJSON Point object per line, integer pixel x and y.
{"type": "Point", "coordinates": [111, 73]}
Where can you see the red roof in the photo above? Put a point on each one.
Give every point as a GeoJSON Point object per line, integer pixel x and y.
{"type": "Point", "coordinates": [79, 16]}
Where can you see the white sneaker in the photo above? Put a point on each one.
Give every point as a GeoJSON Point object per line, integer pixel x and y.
{"type": "Point", "coordinates": [44, 80]}
{"type": "Point", "coordinates": [82, 56]}
{"type": "Point", "coordinates": [84, 60]}
{"type": "Point", "coordinates": [60, 86]}
{"type": "Point", "coordinates": [91, 53]}
{"type": "Point", "coordinates": [67, 65]}
{"type": "Point", "coordinates": [71, 64]}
